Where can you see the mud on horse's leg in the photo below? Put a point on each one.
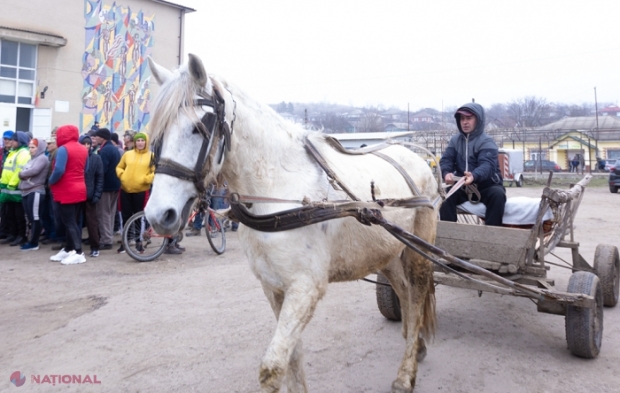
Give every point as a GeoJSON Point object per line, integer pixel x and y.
{"type": "Point", "coordinates": [284, 354]}
{"type": "Point", "coordinates": [420, 303]}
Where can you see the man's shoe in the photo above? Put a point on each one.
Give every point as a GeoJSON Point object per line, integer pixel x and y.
{"type": "Point", "coordinates": [213, 234]}
{"type": "Point", "coordinates": [7, 240]}
{"type": "Point", "coordinates": [62, 254]}
{"type": "Point", "coordinates": [105, 247]}
{"type": "Point", "coordinates": [47, 240]}
{"type": "Point", "coordinates": [3, 236]}
{"type": "Point", "coordinates": [29, 247]}
{"type": "Point", "coordinates": [74, 258]}
{"type": "Point", "coordinates": [139, 247]}
{"type": "Point", "coordinates": [18, 241]}
{"type": "Point", "coordinates": [179, 247]}
{"type": "Point", "coordinates": [94, 253]}
{"type": "Point", "coordinates": [193, 232]}
{"type": "Point", "coordinates": [172, 250]}
{"type": "Point", "coordinates": [121, 250]}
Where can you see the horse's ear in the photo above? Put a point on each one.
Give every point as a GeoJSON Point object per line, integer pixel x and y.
{"type": "Point", "coordinates": [160, 73]}
{"type": "Point", "coordinates": [197, 70]}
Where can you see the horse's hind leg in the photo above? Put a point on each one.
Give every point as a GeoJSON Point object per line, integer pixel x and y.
{"type": "Point", "coordinates": [396, 275]}
{"type": "Point", "coordinates": [420, 302]}
{"type": "Point", "coordinates": [285, 355]}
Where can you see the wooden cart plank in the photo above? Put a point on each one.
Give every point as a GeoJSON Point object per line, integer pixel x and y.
{"type": "Point", "coordinates": [482, 242]}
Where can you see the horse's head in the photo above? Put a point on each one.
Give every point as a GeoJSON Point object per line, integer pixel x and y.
{"type": "Point", "coordinates": [191, 133]}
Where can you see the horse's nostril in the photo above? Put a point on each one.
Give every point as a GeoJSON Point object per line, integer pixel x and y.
{"type": "Point", "coordinates": [169, 218]}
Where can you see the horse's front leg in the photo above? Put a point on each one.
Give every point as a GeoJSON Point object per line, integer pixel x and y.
{"type": "Point", "coordinates": [295, 375]}
{"type": "Point", "coordinates": [284, 355]}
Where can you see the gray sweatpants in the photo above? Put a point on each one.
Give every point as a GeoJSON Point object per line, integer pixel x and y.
{"type": "Point", "coordinates": [106, 210]}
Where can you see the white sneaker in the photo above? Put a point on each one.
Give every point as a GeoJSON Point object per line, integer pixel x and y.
{"type": "Point", "coordinates": [62, 254]}
{"type": "Point", "coordinates": [74, 258]}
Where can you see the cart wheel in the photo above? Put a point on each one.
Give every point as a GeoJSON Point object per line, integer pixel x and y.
{"type": "Point", "coordinates": [387, 300]}
{"type": "Point", "coordinates": [607, 268]}
{"type": "Point", "coordinates": [584, 326]}
{"type": "Point", "coordinates": [520, 181]}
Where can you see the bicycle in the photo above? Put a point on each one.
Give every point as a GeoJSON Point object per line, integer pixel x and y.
{"type": "Point", "coordinates": [143, 244]}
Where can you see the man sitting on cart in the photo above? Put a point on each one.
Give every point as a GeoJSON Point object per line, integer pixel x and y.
{"type": "Point", "coordinates": [472, 154]}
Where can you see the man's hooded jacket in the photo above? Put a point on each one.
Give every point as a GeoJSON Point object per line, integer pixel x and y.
{"type": "Point", "coordinates": [477, 147]}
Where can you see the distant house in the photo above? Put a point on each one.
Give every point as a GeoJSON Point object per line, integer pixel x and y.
{"type": "Point", "coordinates": [561, 140]}
{"type": "Point", "coordinates": [423, 117]}
{"type": "Point", "coordinates": [613, 110]}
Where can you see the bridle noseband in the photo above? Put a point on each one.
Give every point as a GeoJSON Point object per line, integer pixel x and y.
{"type": "Point", "coordinates": [211, 125]}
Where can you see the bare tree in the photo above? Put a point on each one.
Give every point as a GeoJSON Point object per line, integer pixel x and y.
{"type": "Point", "coordinates": [529, 111]}
{"type": "Point", "coordinates": [332, 122]}
{"type": "Point", "coordinates": [370, 122]}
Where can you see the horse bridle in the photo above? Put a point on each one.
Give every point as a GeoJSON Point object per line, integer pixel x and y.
{"type": "Point", "coordinates": [212, 126]}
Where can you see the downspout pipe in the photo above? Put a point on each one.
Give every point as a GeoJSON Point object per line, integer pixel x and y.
{"type": "Point", "coordinates": [181, 26]}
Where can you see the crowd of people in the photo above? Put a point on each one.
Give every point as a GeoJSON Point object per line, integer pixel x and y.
{"type": "Point", "coordinates": [51, 189]}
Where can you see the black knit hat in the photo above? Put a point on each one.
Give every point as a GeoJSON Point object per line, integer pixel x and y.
{"type": "Point", "coordinates": [104, 133]}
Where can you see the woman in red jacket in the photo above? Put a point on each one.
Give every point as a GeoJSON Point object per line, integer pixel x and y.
{"type": "Point", "coordinates": [69, 191]}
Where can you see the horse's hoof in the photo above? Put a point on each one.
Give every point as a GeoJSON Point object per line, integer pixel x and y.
{"type": "Point", "coordinates": [397, 387]}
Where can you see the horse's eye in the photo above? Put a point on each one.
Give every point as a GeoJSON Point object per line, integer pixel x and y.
{"type": "Point", "coordinates": [195, 130]}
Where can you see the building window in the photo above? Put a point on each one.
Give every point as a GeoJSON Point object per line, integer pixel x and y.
{"type": "Point", "coordinates": [18, 63]}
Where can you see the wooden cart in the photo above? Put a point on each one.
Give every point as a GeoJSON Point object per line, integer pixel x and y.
{"type": "Point", "coordinates": [510, 256]}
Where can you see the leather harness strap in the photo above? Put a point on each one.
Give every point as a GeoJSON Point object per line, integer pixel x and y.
{"type": "Point", "coordinates": [314, 152]}
{"type": "Point", "coordinates": [317, 212]}
{"type": "Point", "coordinates": [401, 170]}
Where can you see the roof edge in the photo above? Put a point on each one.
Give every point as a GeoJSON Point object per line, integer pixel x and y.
{"type": "Point", "coordinates": [186, 9]}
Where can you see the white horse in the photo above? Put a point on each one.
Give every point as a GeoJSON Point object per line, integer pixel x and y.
{"type": "Point", "coordinates": [264, 156]}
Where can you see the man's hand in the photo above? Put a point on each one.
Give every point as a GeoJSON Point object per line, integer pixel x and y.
{"type": "Point", "coordinates": [449, 178]}
{"type": "Point", "coordinates": [469, 178]}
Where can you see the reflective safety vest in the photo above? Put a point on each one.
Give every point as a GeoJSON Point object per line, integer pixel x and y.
{"type": "Point", "coordinates": [9, 181]}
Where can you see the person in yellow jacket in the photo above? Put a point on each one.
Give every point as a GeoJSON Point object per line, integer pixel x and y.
{"type": "Point", "coordinates": [135, 170]}
{"type": "Point", "coordinates": [14, 214]}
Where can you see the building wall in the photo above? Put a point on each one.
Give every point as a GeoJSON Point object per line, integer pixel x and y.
{"type": "Point", "coordinates": [77, 75]}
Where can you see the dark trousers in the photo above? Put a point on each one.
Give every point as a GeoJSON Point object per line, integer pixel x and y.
{"type": "Point", "coordinates": [132, 203]}
{"type": "Point", "coordinates": [33, 204]}
{"type": "Point", "coordinates": [4, 224]}
{"type": "Point", "coordinates": [69, 213]}
{"type": "Point", "coordinates": [494, 198]}
{"type": "Point", "coordinates": [47, 216]}
{"type": "Point", "coordinates": [15, 219]}
{"type": "Point", "coordinates": [59, 228]}
{"type": "Point", "coordinates": [92, 224]}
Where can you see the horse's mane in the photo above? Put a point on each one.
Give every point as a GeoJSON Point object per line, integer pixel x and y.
{"type": "Point", "coordinates": [175, 96]}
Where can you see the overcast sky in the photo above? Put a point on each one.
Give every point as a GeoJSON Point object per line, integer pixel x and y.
{"type": "Point", "coordinates": [417, 53]}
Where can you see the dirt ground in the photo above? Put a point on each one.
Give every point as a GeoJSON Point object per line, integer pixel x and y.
{"type": "Point", "coordinates": [200, 322]}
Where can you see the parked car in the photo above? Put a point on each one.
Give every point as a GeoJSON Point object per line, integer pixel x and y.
{"type": "Point", "coordinates": [609, 163]}
{"type": "Point", "coordinates": [535, 165]}
{"type": "Point", "coordinates": [614, 177]}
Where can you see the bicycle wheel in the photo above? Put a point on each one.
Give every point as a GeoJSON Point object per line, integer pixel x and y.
{"type": "Point", "coordinates": [215, 233]}
{"type": "Point", "coordinates": [140, 240]}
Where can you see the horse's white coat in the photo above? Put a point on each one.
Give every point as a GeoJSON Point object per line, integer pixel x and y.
{"type": "Point", "coordinates": [267, 159]}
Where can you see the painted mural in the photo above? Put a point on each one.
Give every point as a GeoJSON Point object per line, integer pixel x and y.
{"type": "Point", "coordinates": [116, 90]}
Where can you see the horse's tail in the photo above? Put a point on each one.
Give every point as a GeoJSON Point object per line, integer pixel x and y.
{"type": "Point", "coordinates": [429, 314]}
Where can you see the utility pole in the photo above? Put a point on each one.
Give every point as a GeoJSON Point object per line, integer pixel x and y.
{"type": "Point", "coordinates": [407, 116]}
{"type": "Point", "coordinates": [597, 133]}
